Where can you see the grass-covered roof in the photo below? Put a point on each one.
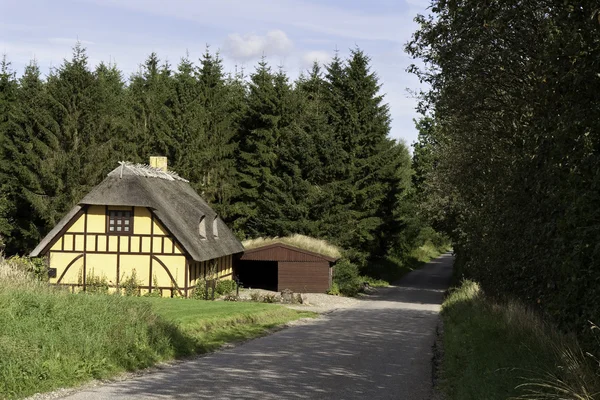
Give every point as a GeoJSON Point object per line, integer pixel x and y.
{"type": "Point", "coordinates": [308, 243]}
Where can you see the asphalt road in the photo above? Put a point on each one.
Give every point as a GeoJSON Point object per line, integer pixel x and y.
{"type": "Point", "coordinates": [380, 349]}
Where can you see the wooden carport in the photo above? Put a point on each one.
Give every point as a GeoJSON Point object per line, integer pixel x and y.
{"type": "Point", "coordinates": [280, 266]}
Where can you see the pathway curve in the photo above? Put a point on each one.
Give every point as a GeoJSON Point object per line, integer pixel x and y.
{"type": "Point", "coordinates": [380, 349]}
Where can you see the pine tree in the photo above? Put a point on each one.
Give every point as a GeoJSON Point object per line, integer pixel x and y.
{"type": "Point", "coordinates": [318, 152]}
{"type": "Point", "coordinates": [361, 124]}
{"type": "Point", "coordinates": [85, 148]}
{"type": "Point", "coordinates": [151, 96]}
{"type": "Point", "coordinates": [258, 137]}
{"type": "Point", "coordinates": [221, 99]}
{"type": "Point", "coordinates": [284, 206]}
{"type": "Point", "coordinates": [189, 115]}
{"type": "Point", "coordinates": [114, 123]}
{"type": "Point", "coordinates": [8, 104]}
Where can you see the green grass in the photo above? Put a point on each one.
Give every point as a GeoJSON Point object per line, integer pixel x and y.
{"type": "Point", "coordinates": [207, 325]}
{"type": "Point", "coordinates": [315, 245]}
{"type": "Point", "coordinates": [383, 271]}
{"type": "Point", "coordinates": [497, 351]}
{"type": "Point", "coordinates": [50, 338]}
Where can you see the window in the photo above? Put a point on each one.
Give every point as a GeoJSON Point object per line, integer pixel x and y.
{"type": "Point", "coordinates": [120, 222]}
{"type": "Point", "coordinates": [215, 227]}
{"type": "Point", "coordinates": [202, 228]}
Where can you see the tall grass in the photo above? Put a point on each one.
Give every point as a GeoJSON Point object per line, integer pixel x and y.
{"type": "Point", "coordinates": [50, 338]}
{"type": "Point", "coordinates": [296, 240]}
{"type": "Point", "coordinates": [503, 350]}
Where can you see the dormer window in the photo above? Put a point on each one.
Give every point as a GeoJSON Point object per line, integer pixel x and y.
{"type": "Point", "coordinates": [120, 222]}
{"type": "Point", "coordinates": [202, 228]}
{"type": "Point", "coordinates": [215, 227]}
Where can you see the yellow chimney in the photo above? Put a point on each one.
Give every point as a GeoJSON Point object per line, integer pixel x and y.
{"type": "Point", "coordinates": [159, 162]}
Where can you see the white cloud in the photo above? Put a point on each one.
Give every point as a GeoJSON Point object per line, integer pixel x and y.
{"type": "Point", "coordinates": [322, 57]}
{"type": "Point", "coordinates": [246, 47]}
{"type": "Point", "coordinates": [311, 16]}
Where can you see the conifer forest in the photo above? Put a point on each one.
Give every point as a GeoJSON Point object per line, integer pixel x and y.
{"type": "Point", "coordinates": [273, 156]}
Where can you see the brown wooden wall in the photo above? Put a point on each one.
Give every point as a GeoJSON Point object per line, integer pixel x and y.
{"type": "Point", "coordinates": [304, 277]}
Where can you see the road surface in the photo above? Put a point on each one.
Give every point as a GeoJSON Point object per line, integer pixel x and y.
{"type": "Point", "coordinates": [380, 349]}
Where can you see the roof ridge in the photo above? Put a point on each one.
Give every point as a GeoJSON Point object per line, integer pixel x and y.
{"type": "Point", "coordinates": [146, 171]}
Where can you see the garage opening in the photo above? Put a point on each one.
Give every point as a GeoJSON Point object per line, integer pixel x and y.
{"type": "Point", "coordinates": [258, 274]}
{"type": "Point", "coordinates": [279, 266]}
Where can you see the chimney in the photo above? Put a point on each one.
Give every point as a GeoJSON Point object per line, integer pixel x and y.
{"type": "Point", "coordinates": [159, 162]}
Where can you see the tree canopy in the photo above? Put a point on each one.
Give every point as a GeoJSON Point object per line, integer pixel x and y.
{"type": "Point", "coordinates": [273, 156]}
{"type": "Point", "coordinates": [509, 148]}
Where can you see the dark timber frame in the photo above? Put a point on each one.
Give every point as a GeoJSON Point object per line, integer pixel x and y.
{"type": "Point", "coordinates": [79, 254]}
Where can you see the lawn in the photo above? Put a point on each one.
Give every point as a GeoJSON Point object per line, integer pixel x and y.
{"type": "Point", "coordinates": [207, 325]}
{"type": "Point", "coordinates": [50, 338]}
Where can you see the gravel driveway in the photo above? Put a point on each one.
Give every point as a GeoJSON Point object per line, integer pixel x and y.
{"type": "Point", "coordinates": [380, 348]}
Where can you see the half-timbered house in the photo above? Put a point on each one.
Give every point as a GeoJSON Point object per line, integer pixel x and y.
{"type": "Point", "coordinates": [143, 219]}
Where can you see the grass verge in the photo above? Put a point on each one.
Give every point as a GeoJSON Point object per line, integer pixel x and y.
{"type": "Point", "coordinates": [50, 338]}
{"type": "Point", "coordinates": [383, 271]}
{"type": "Point", "coordinates": [499, 351]}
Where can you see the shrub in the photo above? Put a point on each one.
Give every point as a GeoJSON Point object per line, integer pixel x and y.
{"type": "Point", "coordinates": [256, 296]}
{"type": "Point", "coordinates": [225, 287]}
{"type": "Point", "coordinates": [270, 298]}
{"type": "Point", "coordinates": [231, 297]}
{"type": "Point", "coordinates": [334, 289]}
{"type": "Point", "coordinates": [156, 292]}
{"type": "Point", "coordinates": [96, 284]}
{"type": "Point", "coordinates": [34, 266]}
{"type": "Point", "coordinates": [200, 290]}
{"type": "Point", "coordinates": [346, 277]}
{"type": "Point", "coordinates": [131, 285]}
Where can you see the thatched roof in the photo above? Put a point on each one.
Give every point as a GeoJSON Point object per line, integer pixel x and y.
{"type": "Point", "coordinates": [174, 202]}
{"type": "Point", "coordinates": [41, 247]}
{"type": "Point", "coordinates": [308, 243]}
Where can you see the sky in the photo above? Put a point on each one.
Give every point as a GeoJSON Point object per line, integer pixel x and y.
{"type": "Point", "coordinates": [290, 33]}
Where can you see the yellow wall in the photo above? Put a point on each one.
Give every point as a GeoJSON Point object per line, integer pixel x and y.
{"type": "Point", "coordinates": [77, 225]}
{"type": "Point", "coordinates": [96, 219]}
{"type": "Point", "coordinates": [103, 265]}
{"type": "Point", "coordinates": [102, 260]}
{"type": "Point", "coordinates": [223, 268]}
{"type": "Point", "coordinates": [142, 221]}
{"type": "Point", "coordinates": [60, 261]}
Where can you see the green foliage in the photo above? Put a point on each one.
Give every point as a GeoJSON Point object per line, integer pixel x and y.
{"type": "Point", "coordinates": [256, 296]}
{"type": "Point", "coordinates": [220, 287]}
{"type": "Point", "coordinates": [272, 156]}
{"type": "Point", "coordinates": [202, 290]}
{"type": "Point", "coordinates": [346, 278]}
{"type": "Point", "coordinates": [373, 282]}
{"type": "Point", "coordinates": [224, 287]}
{"type": "Point", "coordinates": [529, 359]}
{"type": "Point", "coordinates": [513, 93]}
{"type": "Point", "coordinates": [37, 267]}
{"type": "Point", "coordinates": [334, 290]}
{"type": "Point", "coordinates": [96, 284]}
{"type": "Point", "coordinates": [50, 338]}
{"type": "Point", "coordinates": [156, 292]}
{"type": "Point", "coordinates": [130, 285]}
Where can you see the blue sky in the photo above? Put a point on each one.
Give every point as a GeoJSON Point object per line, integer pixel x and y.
{"type": "Point", "coordinates": [291, 33]}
